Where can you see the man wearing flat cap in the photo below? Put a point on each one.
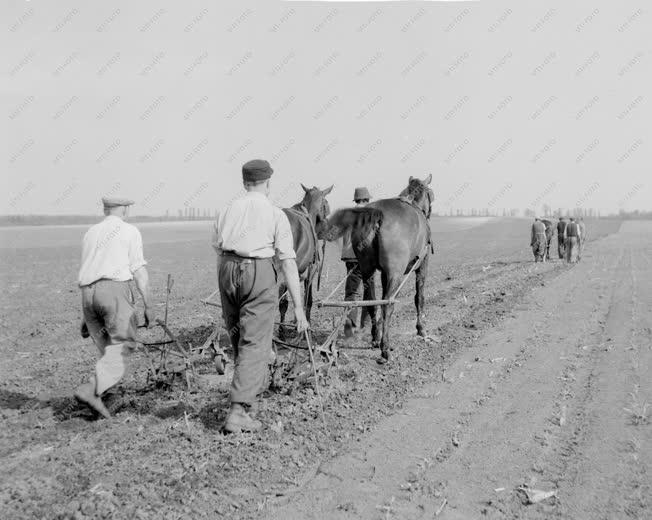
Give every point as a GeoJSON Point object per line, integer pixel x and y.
{"type": "Point", "coordinates": [249, 232]}
{"type": "Point", "coordinates": [354, 287]}
{"type": "Point", "coordinates": [112, 256]}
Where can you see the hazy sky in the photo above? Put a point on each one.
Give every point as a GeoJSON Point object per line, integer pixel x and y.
{"type": "Point", "coordinates": [507, 104]}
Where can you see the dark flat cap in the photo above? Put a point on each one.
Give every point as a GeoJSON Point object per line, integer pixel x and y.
{"type": "Point", "coordinates": [361, 193]}
{"type": "Point", "coordinates": [112, 202]}
{"type": "Point", "coordinates": [256, 170]}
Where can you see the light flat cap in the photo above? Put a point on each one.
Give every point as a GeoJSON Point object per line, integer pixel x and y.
{"type": "Point", "coordinates": [112, 202]}
{"type": "Point", "coordinates": [256, 170]}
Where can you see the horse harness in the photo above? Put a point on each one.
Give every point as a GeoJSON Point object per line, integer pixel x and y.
{"type": "Point", "coordinates": [410, 201]}
{"type": "Point", "coordinates": [317, 259]}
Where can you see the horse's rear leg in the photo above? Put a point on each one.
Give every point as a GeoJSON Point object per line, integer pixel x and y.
{"type": "Point", "coordinates": [374, 316]}
{"type": "Point", "coordinates": [390, 284]}
{"type": "Point", "coordinates": [364, 311]}
{"type": "Point", "coordinates": [388, 310]}
{"type": "Point", "coordinates": [420, 295]}
{"type": "Point", "coordinates": [283, 308]}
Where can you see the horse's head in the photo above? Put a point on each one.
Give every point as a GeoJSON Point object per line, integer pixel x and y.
{"type": "Point", "coordinates": [420, 194]}
{"type": "Point", "coordinates": [314, 200]}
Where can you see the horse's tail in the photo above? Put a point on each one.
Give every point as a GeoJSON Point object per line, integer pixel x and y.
{"type": "Point", "coordinates": [365, 221]}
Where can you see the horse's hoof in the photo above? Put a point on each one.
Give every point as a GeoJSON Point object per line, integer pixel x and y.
{"type": "Point", "coordinates": [421, 333]}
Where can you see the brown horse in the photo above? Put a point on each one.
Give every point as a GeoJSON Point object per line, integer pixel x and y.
{"type": "Point", "coordinates": [390, 235]}
{"type": "Point", "coordinates": [308, 219]}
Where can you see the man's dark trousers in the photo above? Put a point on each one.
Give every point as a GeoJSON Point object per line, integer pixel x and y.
{"type": "Point", "coordinates": [354, 289]}
{"type": "Point", "coordinates": [248, 294]}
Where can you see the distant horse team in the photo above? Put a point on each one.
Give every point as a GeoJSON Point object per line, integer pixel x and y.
{"type": "Point", "coordinates": [571, 237]}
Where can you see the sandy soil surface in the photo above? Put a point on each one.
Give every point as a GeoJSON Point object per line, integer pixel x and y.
{"type": "Point", "coordinates": [552, 399]}
{"type": "Point", "coordinates": [525, 382]}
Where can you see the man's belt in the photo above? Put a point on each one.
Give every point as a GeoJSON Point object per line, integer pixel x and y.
{"type": "Point", "coordinates": [106, 280]}
{"type": "Point", "coordinates": [233, 254]}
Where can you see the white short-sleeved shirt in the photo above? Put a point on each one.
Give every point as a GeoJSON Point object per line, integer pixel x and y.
{"type": "Point", "coordinates": [252, 226]}
{"type": "Point", "coordinates": [111, 250]}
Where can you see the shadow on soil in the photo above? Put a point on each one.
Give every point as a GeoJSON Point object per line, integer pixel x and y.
{"type": "Point", "coordinates": [167, 400]}
{"type": "Point", "coordinates": [17, 401]}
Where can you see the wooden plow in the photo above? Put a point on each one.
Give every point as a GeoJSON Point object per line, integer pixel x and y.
{"type": "Point", "coordinates": [174, 359]}
{"type": "Point", "coordinates": [212, 343]}
{"type": "Point", "coordinates": [326, 349]}
{"type": "Point", "coordinates": [326, 352]}
{"type": "Point", "coordinates": [327, 302]}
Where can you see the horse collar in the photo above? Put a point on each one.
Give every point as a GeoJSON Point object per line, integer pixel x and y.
{"type": "Point", "coordinates": [411, 202]}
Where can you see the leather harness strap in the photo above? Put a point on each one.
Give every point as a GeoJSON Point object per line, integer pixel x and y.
{"type": "Point", "coordinates": [410, 201]}
{"type": "Point", "coordinates": [317, 256]}
{"type": "Point", "coordinates": [303, 212]}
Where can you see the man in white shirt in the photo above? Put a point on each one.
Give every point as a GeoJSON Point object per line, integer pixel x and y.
{"type": "Point", "coordinates": [248, 233]}
{"type": "Point", "coordinates": [112, 256]}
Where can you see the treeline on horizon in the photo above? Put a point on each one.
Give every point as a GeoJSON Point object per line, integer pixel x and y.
{"type": "Point", "coordinates": [62, 220]}
{"type": "Point", "coordinates": [44, 220]}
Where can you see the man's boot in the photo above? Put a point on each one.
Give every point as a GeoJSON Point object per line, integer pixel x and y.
{"type": "Point", "coordinates": [86, 394]}
{"type": "Point", "coordinates": [239, 420]}
{"type": "Point", "coordinates": [83, 330]}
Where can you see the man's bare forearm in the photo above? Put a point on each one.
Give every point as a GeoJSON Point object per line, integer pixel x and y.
{"type": "Point", "coordinates": [142, 284]}
{"type": "Point", "coordinates": [291, 274]}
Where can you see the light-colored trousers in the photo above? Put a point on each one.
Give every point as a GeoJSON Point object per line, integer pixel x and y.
{"type": "Point", "coordinates": [109, 313]}
{"type": "Point", "coordinates": [572, 249]}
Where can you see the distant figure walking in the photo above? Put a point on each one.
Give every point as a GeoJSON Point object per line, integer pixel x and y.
{"type": "Point", "coordinates": [354, 287]}
{"type": "Point", "coordinates": [582, 237]}
{"type": "Point", "coordinates": [550, 231]}
{"type": "Point", "coordinates": [538, 240]}
{"type": "Point", "coordinates": [561, 246]}
{"type": "Point", "coordinates": [573, 238]}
